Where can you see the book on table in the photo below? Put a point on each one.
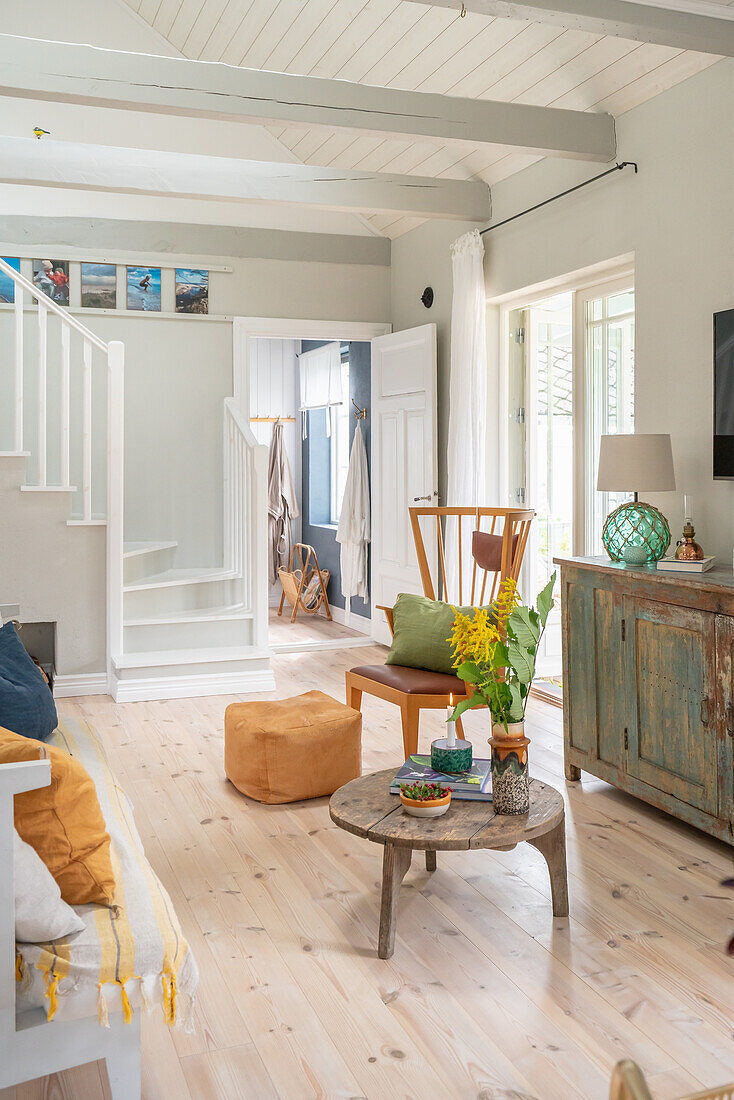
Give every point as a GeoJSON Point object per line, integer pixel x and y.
{"type": "Point", "coordinates": [674, 565]}
{"type": "Point", "coordinates": [474, 784]}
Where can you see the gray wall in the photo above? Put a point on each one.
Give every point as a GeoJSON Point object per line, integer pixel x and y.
{"type": "Point", "coordinates": [676, 216]}
{"type": "Point", "coordinates": [316, 529]}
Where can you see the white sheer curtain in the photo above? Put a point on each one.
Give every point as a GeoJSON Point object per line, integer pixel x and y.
{"type": "Point", "coordinates": [467, 446]}
{"type": "Point", "coordinates": [321, 382]}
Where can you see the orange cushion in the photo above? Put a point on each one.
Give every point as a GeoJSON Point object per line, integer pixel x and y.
{"type": "Point", "coordinates": [292, 749]}
{"type": "Point", "coordinates": [63, 822]}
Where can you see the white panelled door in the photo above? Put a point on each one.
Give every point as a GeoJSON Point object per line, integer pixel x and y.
{"type": "Point", "coordinates": [404, 460]}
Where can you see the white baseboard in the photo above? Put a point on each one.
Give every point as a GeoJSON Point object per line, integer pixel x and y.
{"type": "Point", "coordinates": [142, 689]}
{"type": "Point", "coordinates": [85, 683]}
{"type": "Point", "coordinates": [362, 623]}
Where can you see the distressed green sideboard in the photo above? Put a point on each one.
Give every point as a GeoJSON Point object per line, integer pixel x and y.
{"type": "Point", "coordinates": [648, 685]}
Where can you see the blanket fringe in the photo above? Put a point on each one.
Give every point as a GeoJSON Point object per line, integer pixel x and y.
{"type": "Point", "coordinates": [126, 1006]}
{"type": "Point", "coordinates": [102, 1014]}
{"type": "Point", "coordinates": [51, 986]}
{"type": "Point", "coordinates": [19, 968]}
{"type": "Point", "coordinates": [169, 996]}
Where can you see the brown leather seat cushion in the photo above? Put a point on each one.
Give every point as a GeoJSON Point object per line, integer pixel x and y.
{"type": "Point", "coordinates": [487, 550]}
{"type": "Point", "coordinates": [412, 681]}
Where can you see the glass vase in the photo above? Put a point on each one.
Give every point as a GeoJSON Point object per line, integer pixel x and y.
{"type": "Point", "coordinates": [510, 778]}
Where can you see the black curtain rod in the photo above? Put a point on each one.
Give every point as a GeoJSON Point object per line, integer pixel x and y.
{"type": "Point", "coordinates": [617, 168]}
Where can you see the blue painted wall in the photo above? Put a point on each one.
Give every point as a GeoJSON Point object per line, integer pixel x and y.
{"type": "Point", "coordinates": [316, 470]}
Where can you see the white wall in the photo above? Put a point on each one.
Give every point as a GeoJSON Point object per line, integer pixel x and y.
{"type": "Point", "coordinates": [676, 216]}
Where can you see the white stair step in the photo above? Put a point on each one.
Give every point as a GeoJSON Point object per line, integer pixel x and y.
{"type": "Point", "coordinates": [133, 549]}
{"type": "Point", "coordinates": [197, 615]}
{"type": "Point", "coordinates": [169, 578]}
{"type": "Point", "coordinates": [86, 523]}
{"type": "Point", "coordinates": [15, 454]}
{"type": "Point", "coordinates": [48, 488]}
{"type": "Point", "coordinates": [146, 559]}
{"type": "Point", "coordinates": [157, 659]}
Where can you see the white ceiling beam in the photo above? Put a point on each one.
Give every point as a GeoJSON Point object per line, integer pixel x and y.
{"type": "Point", "coordinates": [178, 175]}
{"type": "Point", "coordinates": [705, 28]}
{"type": "Point", "coordinates": [86, 74]}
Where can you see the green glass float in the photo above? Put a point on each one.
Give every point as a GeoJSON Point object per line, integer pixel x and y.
{"type": "Point", "coordinates": [636, 533]}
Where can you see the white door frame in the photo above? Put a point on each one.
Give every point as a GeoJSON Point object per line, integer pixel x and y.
{"type": "Point", "coordinates": [289, 328]}
{"type": "Point", "coordinates": [245, 329]}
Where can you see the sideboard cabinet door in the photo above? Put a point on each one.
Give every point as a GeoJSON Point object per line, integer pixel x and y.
{"type": "Point", "coordinates": [670, 663]}
{"type": "Point", "coordinates": [725, 708]}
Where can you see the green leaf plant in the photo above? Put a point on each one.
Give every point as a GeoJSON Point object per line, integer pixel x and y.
{"type": "Point", "coordinates": [495, 652]}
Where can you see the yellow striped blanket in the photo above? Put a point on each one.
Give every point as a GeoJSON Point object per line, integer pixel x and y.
{"type": "Point", "coordinates": [129, 955]}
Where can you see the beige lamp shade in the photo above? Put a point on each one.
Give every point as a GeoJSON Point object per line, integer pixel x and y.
{"type": "Point", "coordinates": [635, 463]}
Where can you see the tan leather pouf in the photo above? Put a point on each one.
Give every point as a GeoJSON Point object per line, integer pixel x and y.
{"type": "Point", "coordinates": [292, 749]}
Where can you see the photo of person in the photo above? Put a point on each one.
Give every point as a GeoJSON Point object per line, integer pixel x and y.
{"type": "Point", "coordinates": [52, 277]}
{"type": "Point", "coordinates": [144, 289]}
{"type": "Point", "coordinates": [192, 290]}
{"type": "Point", "coordinates": [99, 286]}
{"type": "Point", "coordinates": [7, 286]}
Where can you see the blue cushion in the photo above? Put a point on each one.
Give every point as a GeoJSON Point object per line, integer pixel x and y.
{"type": "Point", "coordinates": [26, 703]}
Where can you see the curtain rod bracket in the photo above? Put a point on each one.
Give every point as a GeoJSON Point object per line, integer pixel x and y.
{"type": "Point", "coordinates": [620, 166]}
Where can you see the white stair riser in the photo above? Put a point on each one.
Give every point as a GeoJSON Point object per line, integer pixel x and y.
{"type": "Point", "coordinates": [198, 635]}
{"type": "Point", "coordinates": [148, 562]}
{"type": "Point", "coordinates": [172, 599]}
{"type": "Point", "coordinates": [180, 681]}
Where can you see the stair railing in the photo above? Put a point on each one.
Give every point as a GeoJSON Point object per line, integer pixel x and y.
{"type": "Point", "coordinates": [245, 516]}
{"type": "Point", "coordinates": [113, 354]}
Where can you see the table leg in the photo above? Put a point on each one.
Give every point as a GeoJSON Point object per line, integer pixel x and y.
{"type": "Point", "coordinates": [552, 847]}
{"type": "Point", "coordinates": [430, 860]}
{"type": "Point", "coordinates": [395, 863]}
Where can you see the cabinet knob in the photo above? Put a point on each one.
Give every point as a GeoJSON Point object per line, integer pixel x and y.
{"type": "Point", "coordinates": [705, 711]}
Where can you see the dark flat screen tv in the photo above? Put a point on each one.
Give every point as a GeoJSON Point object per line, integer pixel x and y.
{"type": "Point", "coordinates": [724, 394]}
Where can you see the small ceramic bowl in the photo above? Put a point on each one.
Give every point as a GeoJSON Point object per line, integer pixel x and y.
{"type": "Point", "coordinates": [433, 808]}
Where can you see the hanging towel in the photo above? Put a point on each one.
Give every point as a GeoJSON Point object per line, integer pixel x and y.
{"type": "Point", "coordinates": [353, 532]}
{"type": "Point", "coordinates": [282, 505]}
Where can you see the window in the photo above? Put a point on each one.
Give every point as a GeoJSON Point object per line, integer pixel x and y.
{"type": "Point", "coordinates": [339, 457]}
{"type": "Point", "coordinates": [609, 339]}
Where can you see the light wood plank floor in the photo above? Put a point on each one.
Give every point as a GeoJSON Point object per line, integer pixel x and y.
{"type": "Point", "coordinates": [486, 996]}
{"type": "Point", "coordinates": [307, 629]}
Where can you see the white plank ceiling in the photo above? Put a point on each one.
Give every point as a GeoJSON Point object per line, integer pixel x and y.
{"type": "Point", "coordinates": [399, 44]}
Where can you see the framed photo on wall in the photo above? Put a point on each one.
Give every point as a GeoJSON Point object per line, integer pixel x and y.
{"type": "Point", "coordinates": [52, 277]}
{"type": "Point", "coordinates": [99, 286]}
{"type": "Point", "coordinates": [144, 289]}
{"type": "Point", "coordinates": [7, 286]}
{"type": "Point", "coordinates": [192, 290]}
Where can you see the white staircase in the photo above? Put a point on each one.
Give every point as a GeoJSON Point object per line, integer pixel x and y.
{"type": "Point", "coordinates": [172, 632]}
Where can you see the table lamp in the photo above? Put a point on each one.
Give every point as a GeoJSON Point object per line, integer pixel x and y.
{"type": "Point", "coordinates": [635, 533]}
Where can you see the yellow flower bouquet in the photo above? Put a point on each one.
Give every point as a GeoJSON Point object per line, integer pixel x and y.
{"type": "Point", "coordinates": [495, 650]}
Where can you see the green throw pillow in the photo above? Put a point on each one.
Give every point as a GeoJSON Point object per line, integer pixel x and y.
{"type": "Point", "coordinates": [421, 630]}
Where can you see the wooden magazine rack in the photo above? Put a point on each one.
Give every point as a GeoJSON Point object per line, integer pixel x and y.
{"type": "Point", "coordinates": [304, 583]}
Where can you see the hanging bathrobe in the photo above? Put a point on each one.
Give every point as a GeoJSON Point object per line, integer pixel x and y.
{"type": "Point", "coordinates": [282, 505]}
{"type": "Point", "coordinates": [353, 533]}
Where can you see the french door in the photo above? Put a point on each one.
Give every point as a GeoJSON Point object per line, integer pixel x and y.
{"type": "Point", "coordinates": [568, 362]}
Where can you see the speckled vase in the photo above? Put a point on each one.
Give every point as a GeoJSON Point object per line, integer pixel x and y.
{"type": "Point", "coordinates": [510, 778]}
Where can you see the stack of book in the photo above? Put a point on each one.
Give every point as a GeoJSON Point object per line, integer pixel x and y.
{"type": "Point", "coordinates": [672, 565]}
{"type": "Point", "coordinates": [474, 784]}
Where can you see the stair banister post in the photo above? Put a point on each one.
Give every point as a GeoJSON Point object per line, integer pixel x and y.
{"type": "Point", "coordinates": [115, 499]}
{"type": "Point", "coordinates": [259, 524]}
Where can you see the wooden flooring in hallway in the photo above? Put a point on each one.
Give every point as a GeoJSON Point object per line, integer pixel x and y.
{"type": "Point", "coordinates": [487, 996]}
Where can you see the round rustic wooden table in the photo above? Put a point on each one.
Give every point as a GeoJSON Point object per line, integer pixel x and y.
{"type": "Point", "coordinates": [366, 808]}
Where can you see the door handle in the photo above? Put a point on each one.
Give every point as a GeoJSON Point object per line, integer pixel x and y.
{"type": "Point", "coordinates": [428, 497]}
{"type": "Point", "coordinates": [705, 711]}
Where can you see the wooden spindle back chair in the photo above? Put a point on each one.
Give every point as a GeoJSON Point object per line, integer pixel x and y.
{"type": "Point", "coordinates": [628, 1083]}
{"type": "Point", "coordinates": [496, 538]}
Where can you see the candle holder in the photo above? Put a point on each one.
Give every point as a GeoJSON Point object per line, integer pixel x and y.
{"type": "Point", "coordinates": [451, 758]}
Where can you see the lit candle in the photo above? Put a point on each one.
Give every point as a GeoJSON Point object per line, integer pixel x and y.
{"type": "Point", "coordinates": [451, 725]}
